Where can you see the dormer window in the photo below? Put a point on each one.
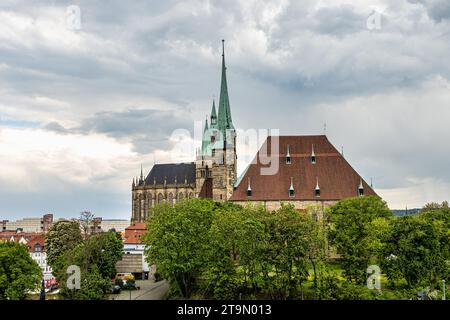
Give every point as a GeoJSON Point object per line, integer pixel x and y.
{"type": "Point", "coordinates": [313, 155]}
{"type": "Point", "coordinates": [291, 188]}
{"type": "Point", "coordinates": [360, 188]}
{"type": "Point", "coordinates": [317, 189]}
{"type": "Point", "coordinates": [288, 156]}
{"type": "Point", "coordinates": [249, 189]}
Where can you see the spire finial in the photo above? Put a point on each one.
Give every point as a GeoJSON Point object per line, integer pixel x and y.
{"type": "Point", "coordinates": [223, 48]}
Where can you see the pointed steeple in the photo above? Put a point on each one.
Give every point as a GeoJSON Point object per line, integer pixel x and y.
{"type": "Point", "coordinates": [142, 175]}
{"type": "Point", "coordinates": [213, 115]}
{"type": "Point", "coordinates": [224, 119]}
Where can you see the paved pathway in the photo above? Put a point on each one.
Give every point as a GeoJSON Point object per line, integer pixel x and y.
{"type": "Point", "coordinates": [150, 290]}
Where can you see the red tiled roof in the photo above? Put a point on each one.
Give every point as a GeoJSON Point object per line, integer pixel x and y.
{"type": "Point", "coordinates": [337, 179]}
{"type": "Point", "coordinates": [38, 239]}
{"type": "Point", "coordinates": [134, 232]}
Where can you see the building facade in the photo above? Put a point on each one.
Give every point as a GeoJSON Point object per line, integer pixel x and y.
{"type": "Point", "coordinates": [133, 258]}
{"type": "Point", "coordinates": [42, 224]}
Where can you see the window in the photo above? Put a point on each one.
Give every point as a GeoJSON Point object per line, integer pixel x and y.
{"type": "Point", "coordinates": [313, 155]}
{"type": "Point", "coordinates": [288, 156]}
{"type": "Point", "coordinates": [291, 188]}
{"type": "Point", "coordinates": [249, 189]}
{"type": "Point", "coordinates": [317, 192]}
{"type": "Point", "coordinates": [360, 188]}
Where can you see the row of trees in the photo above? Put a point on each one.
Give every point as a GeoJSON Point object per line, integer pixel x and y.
{"type": "Point", "coordinates": [213, 250]}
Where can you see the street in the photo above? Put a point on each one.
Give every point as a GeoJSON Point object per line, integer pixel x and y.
{"type": "Point", "coordinates": [149, 290]}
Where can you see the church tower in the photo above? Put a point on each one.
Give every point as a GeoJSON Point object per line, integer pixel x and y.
{"type": "Point", "coordinates": [216, 161]}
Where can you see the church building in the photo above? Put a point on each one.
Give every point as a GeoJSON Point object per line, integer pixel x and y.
{"type": "Point", "coordinates": [310, 170]}
{"type": "Point", "coordinates": [212, 175]}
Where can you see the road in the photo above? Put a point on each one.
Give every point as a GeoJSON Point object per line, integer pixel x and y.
{"type": "Point", "coordinates": [149, 291]}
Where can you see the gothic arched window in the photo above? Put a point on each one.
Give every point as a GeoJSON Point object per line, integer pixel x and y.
{"type": "Point", "coordinates": [171, 198]}
{"type": "Point", "coordinates": [160, 198]}
{"type": "Point", "coordinates": [191, 195]}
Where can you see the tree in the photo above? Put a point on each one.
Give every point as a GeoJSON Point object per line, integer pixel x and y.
{"type": "Point", "coordinates": [102, 250]}
{"type": "Point", "coordinates": [418, 250]}
{"type": "Point", "coordinates": [19, 273]}
{"type": "Point", "coordinates": [97, 257]}
{"type": "Point", "coordinates": [356, 225]}
{"type": "Point", "coordinates": [62, 237]}
{"type": "Point", "coordinates": [177, 241]}
{"type": "Point", "coordinates": [431, 206]}
{"type": "Point", "coordinates": [93, 286]}
{"type": "Point", "coordinates": [221, 278]}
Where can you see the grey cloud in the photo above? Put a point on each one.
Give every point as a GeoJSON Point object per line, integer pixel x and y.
{"type": "Point", "coordinates": [148, 129]}
{"type": "Point", "coordinates": [55, 127]}
{"type": "Point", "coordinates": [438, 10]}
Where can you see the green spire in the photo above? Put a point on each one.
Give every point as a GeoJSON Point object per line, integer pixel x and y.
{"type": "Point", "coordinates": [213, 116]}
{"type": "Point", "coordinates": [224, 120]}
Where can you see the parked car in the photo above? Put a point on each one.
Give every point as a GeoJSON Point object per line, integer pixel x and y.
{"type": "Point", "coordinates": [115, 289]}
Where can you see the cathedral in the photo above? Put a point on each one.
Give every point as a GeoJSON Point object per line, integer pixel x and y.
{"type": "Point", "coordinates": [212, 175]}
{"type": "Point", "coordinates": [310, 172]}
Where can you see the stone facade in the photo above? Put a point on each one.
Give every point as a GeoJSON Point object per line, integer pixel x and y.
{"type": "Point", "coordinates": [146, 196]}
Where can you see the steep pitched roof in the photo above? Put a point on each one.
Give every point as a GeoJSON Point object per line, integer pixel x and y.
{"type": "Point", "coordinates": [170, 171]}
{"type": "Point", "coordinates": [336, 177]}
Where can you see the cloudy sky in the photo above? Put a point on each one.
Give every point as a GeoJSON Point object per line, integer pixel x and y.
{"type": "Point", "coordinates": [83, 105]}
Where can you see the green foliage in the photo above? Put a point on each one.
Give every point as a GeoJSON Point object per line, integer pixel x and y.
{"type": "Point", "coordinates": [62, 237]}
{"type": "Point", "coordinates": [96, 256]}
{"type": "Point", "coordinates": [19, 273]}
{"type": "Point", "coordinates": [93, 286]}
{"type": "Point", "coordinates": [225, 251]}
{"type": "Point", "coordinates": [418, 249]}
{"type": "Point", "coordinates": [358, 226]}
{"type": "Point", "coordinates": [177, 240]}
{"type": "Point", "coordinates": [119, 282]}
{"type": "Point", "coordinates": [228, 250]}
